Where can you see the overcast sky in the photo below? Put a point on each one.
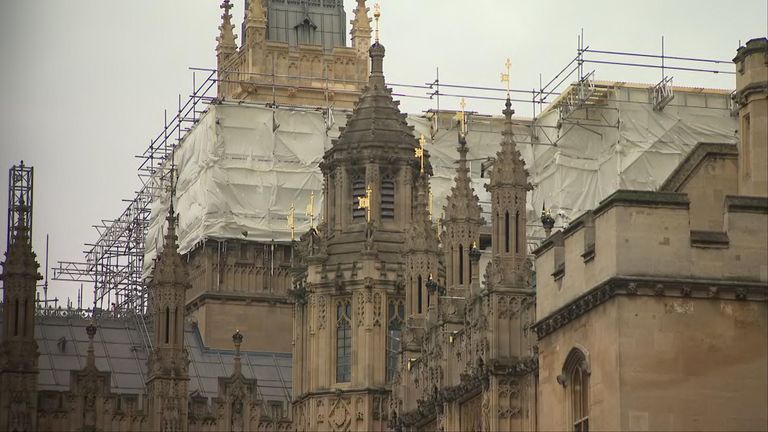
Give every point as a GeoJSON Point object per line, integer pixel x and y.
{"type": "Point", "coordinates": [84, 83]}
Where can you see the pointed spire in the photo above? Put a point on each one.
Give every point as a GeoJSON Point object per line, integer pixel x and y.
{"type": "Point", "coordinates": [462, 203]}
{"type": "Point", "coordinates": [20, 260]}
{"type": "Point", "coordinates": [509, 168]}
{"type": "Point", "coordinates": [226, 41]}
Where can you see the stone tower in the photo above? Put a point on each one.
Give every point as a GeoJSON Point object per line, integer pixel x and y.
{"type": "Point", "coordinates": [18, 348]}
{"type": "Point", "coordinates": [294, 53]}
{"type": "Point", "coordinates": [347, 332]}
{"type": "Point", "coordinates": [752, 98]}
{"type": "Point", "coordinates": [168, 363]}
{"type": "Point", "coordinates": [507, 302]}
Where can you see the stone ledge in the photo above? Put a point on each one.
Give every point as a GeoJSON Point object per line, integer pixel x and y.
{"type": "Point", "coordinates": [652, 287]}
{"type": "Point", "coordinates": [635, 198]}
{"type": "Point", "coordinates": [709, 239]}
{"type": "Point", "coordinates": [746, 204]}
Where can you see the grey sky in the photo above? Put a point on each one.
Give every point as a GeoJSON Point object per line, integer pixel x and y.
{"type": "Point", "coordinates": [84, 83]}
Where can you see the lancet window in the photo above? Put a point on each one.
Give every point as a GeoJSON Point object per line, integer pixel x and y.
{"type": "Point", "coordinates": [388, 198]}
{"type": "Point", "coordinates": [343, 341]}
{"type": "Point", "coordinates": [358, 191]}
{"type": "Point", "coordinates": [395, 318]}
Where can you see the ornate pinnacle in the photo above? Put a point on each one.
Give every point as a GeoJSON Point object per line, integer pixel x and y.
{"type": "Point", "coordinates": [226, 40]}
{"type": "Point", "coordinates": [237, 338]}
{"type": "Point", "coordinates": [91, 356]}
{"type": "Point", "coordinates": [547, 221]}
{"type": "Point", "coordinates": [474, 252]}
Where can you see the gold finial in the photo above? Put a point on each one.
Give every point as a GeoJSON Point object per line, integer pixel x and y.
{"type": "Point", "coordinates": [461, 116]}
{"type": "Point", "coordinates": [292, 221]}
{"type": "Point", "coordinates": [474, 245]}
{"type": "Point", "coordinates": [311, 210]}
{"type": "Point", "coordinates": [505, 76]}
{"type": "Point", "coordinates": [365, 203]}
{"type": "Point", "coordinates": [377, 16]}
{"type": "Point", "coordinates": [419, 152]}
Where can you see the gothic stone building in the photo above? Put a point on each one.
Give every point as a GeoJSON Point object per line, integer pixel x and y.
{"type": "Point", "coordinates": [647, 313]}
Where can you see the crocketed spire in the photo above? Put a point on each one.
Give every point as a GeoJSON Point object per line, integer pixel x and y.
{"type": "Point", "coordinates": [509, 168]}
{"type": "Point", "coordinates": [376, 122]}
{"type": "Point", "coordinates": [462, 203]}
{"type": "Point", "coordinates": [226, 40]}
{"type": "Point", "coordinates": [170, 267]}
{"type": "Point", "coordinates": [420, 234]}
{"type": "Point", "coordinates": [19, 258]}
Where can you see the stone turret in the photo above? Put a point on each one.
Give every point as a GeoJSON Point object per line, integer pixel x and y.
{"type": "Point", "coordinates": [752, 98]}
{"type": "Point", "coordinates": [352, 321]}
{"type": "Point", "coordinates": [168, 362]}
{"type": "Point", "coordinates": [18, 348]}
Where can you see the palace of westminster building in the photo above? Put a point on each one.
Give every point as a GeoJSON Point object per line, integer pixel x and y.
{"type": "Point", "coordinates": [648, 311]}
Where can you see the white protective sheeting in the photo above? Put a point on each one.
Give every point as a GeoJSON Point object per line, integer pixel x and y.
{"type": "Point", "coordinates": [243, 166]}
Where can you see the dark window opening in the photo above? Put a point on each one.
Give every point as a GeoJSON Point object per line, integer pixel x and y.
{"type": "Point", "coordinates": [167, 323]}
{"type": "Point", "coordinates": [343, 341]}
{"type": "Point", "coordinates": [388, 199]}
{"type": "Point", "coordinates": [506, 232]}
{"type": "Point", "coordinates": [461, 264]}
{"type": "Point", "coordinates": [517, 232]}
{"type": "Point", "coordinates": [420, 294]}
{"type": "Point", "coordinates": [358, 191]}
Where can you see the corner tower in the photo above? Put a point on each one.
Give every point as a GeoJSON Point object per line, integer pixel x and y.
{"type": "Point", "coordinates": [347, 332]}
{"type": "Point", "coordinates": [752, 98]}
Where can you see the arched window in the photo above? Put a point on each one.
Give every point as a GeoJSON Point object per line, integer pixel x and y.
{"type": "Point", "coordinates": [176, 319]}
{"type": "Point", "coordinates": [575, 379]}
{"type": "Point", "coordinates": [506, 232]}
{"type": "Point", "coordinates": [420, 294]}
{"type": "Point", "coordinates": [461, 264]}
{"type": "Point", "coordinates": [16, 318]}
{"type": "Point", "coordinates": [387, 198]}
{"type": "Point", "coordinates": [167, 324]}
{"type": "Point", "coordinates": [343, 341]}
{"type": "Point", "coordinates": [358, 191]}
{"type": "Point", "coordinates": [517, 232]}
{"type": "Point", "coordinates": [395, 318]}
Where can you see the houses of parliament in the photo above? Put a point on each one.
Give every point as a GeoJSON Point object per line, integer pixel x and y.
{"type": "Point", "coordinates": [647, 311]}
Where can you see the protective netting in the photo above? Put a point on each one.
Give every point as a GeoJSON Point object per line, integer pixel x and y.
{"type": "Point", "coordinates": [243, 166]}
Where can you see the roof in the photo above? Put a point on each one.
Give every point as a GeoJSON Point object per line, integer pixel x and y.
{"type": "Point", "coordinates": [688, 166]}
{"type": "Point", "coordinates": [63, 344]}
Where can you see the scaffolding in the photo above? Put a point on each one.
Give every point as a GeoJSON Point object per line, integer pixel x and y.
{"type": "Point", "coordinates": [19, 201]}
{"type": "Point", "coordinates": [114, 262]}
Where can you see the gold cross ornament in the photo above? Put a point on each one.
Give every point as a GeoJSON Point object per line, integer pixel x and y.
{"type": "Point", "coordinates": [419, 152]}
{"type": "Point", "coordinates": [505, 76]}
{"type": "Point", "coordinates": [377, 16]}
{"type": "Point", "coordinates": [292, 221]}
{"type": "Point", "coordinates": [311, 210]}
{"type": "Point", "coordinates": [365, 203]}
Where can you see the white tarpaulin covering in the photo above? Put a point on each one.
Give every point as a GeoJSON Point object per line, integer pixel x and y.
{"type": "Point", "coordinates": [243, 166]}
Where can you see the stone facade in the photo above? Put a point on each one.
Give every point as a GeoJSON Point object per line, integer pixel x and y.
{"type": "Point", "coordinates": [653, 308]}
{"type": "Point", "coordinates": [648, 312]}
{"type": "Point", "coordinates": [308, 70]}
